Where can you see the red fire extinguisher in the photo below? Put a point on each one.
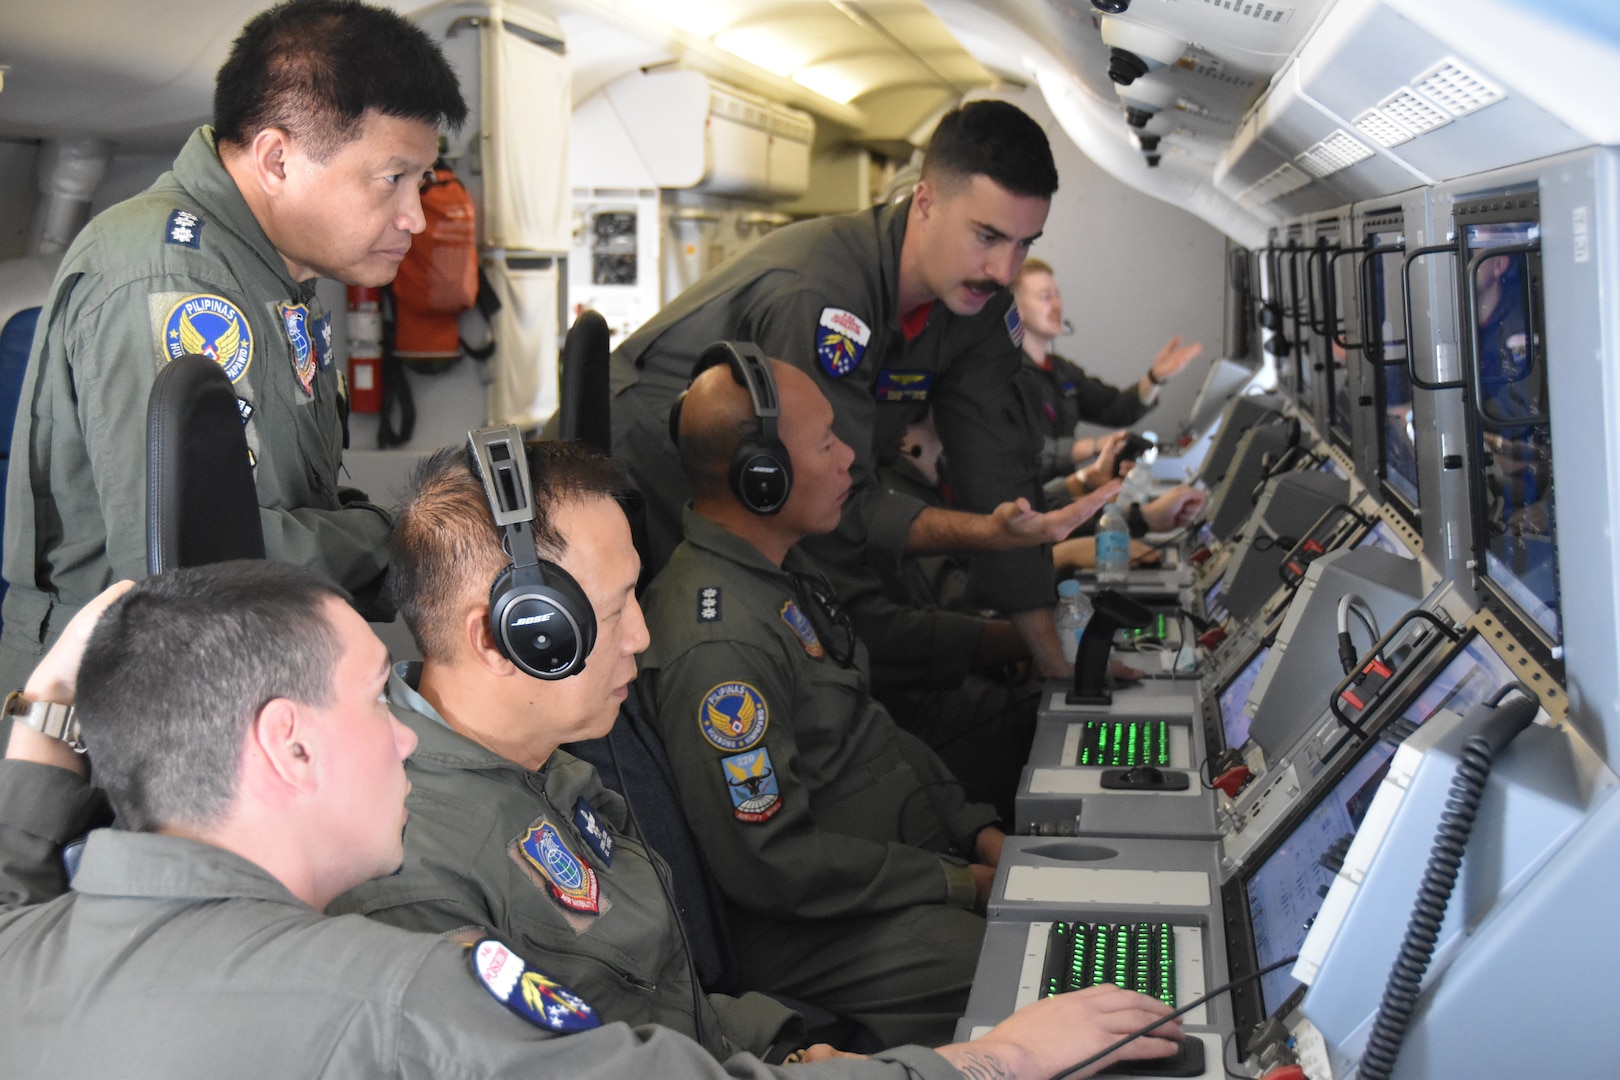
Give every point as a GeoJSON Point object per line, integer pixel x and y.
{"type": "Point", "coordinates": [365, 349]}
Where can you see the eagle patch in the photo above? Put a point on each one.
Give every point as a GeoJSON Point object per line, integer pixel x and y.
{"type": "Point", "coordinates": [211, 326]}
{"type": "Point", "coordinates": [733, 717]}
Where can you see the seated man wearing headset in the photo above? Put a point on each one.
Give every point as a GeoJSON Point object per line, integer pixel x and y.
{"type": "Point", "coordinates": [846, 848]}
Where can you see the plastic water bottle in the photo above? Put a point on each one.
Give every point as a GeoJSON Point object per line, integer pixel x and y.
{"type": "Point", "coordinates": [1113, 544]}
{"type": "Point", "coordinates": [1072, 614]}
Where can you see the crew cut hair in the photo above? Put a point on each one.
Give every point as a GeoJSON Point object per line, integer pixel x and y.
{"type": "Point", "coordinates": [993, 139]}
{"type": "Point", "coordinates": [447, 550]}
{"type": "Point", "coordinates": [177, 670]}
{"type": "Point", "coordinates": [314, 67]}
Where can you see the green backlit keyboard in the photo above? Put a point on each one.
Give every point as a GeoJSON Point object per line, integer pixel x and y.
{"type": "Point", "coordinates": [1137, 956]}
{"type": "Point", "coordinates": [1124, 744]}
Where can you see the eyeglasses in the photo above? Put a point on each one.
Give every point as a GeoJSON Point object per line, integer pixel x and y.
{"type": "Point", "coordinates": [816, 594]}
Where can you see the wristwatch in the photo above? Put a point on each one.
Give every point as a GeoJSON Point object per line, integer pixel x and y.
{"type": "Point", "coordinates": [1154, 379]}
{"type": "Point", "coordinates": [45, 717]}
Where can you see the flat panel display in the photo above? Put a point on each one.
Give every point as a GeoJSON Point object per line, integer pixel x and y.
{"type": "Point", "coordinates": [1235, 695]}
{"type": "Point", "coordinates": [1383, 537]}
{"type": "Point", "coordinates": [1386, 350]}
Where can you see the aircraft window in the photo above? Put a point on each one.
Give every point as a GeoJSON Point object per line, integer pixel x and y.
{"type": "Point", "coordinates": [1515, 516]}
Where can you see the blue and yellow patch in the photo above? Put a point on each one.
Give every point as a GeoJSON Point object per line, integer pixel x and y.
{"type": "Point", "coordinates": [213, 327]}
{"type": "Point", "coordinates": [732, 716]}
{"type": "Point", "coordinates": [184, 229]}
{"type": "Point", "coordinates": [751, 779]}
{"type": "Point", "coordinates": [800, 625]}
{"type": "Point", "coordinates": [897, 385]}
{"type": "Point", "coordinates": [841, 338]}
{"type": "Point", "coordinates": [529, 992]}
{"type": "Point", "coordinates": [296, 319]}
{"type": "Point", "coordinates": [571, 882]}
{"type": "Point", "coordinates": [1015, 326]}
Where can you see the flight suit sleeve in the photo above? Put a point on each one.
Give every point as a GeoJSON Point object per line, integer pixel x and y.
{"type": "Point", "coordinates": [42, 810]}
{"type": "Point", "coordinates": [1098, 402]}
{"type": "Point", "coordinates": [450, 1028]}
{"type": "Point", "coordinates": [113, 349]}
{"type": "Point", "coordinates": [992, 459]}
{"type": "Point", "coordinates": [750, 808]}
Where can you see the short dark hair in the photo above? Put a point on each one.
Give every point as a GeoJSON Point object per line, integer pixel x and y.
{"type": "Point", "coordinates": [993, 139]}
{"type": "Point", "coordinates": [706, 452]}
{"type": "Point", "coordinates": [177, 669]}
{"type": "Point", "coordinates": [446, 548]}
{"type": "Point", "coordinates": [314, 67]}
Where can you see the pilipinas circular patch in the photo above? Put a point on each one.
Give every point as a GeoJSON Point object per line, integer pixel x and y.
{"type": "Point", "coordinates": [732, 716]}
{"type": "Point", "coordinates": [211, 326]}
{"type": "Point", "coordinates": [530, 992]}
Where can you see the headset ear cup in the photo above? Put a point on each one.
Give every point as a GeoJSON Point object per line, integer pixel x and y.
{"type": "Point", "coordinates": [762, 476]}
{"type": "Point", "coordinates": [542, 621]}
{"type": "Point", "coordinates": [675, 419]}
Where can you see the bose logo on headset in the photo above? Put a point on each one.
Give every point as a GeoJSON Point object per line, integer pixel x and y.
{"type": "Point", "coordinates": [531, 590]}
{"type": "Point", "coordinates": [761, 473]}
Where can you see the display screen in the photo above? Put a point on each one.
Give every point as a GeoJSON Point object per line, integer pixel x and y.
{"type": "Point", "coordinates": [1214, 610]}
{"type": "Point", "coordinates": [1235, 695]}
{"type": "Point", "coordinates": [1330, 467]}
{"type": "Point", "coordinates": [1384, 330]}
{"type": "Point", "coordinates": [1286, 890]}
{"type": "Point", "coordinates": [1515, 514]}
{"type": "Point", "coordinates": [1383, 537]}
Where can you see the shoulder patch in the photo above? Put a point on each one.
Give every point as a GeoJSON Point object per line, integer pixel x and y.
{"type": "Point", "coordinates": [898, 385]}
{"type": "Point", "coordinates": [296, 318]}
{"type": "Point", "coordinates": [841, 339]}
{"type": "Point", "coordinates": [751, 779]}
{"type": "Point", "coordinates": [733, 717]}
{"type": "Point", "coordinates": [529, 992]}
{"type": "Point", "coordinates": [213, 326]}
{"type": "Point", "coordinates": [1015, 326]}
{"type": "Point", "coordinates": [708, 600]}
{"type": "Point", "coordinates": [571, 882]}
{"type": "Point", "coordinates": [800, 625]}
{"type": "Point", "coordinates": [184, 228]}
{"type": "Point", "coordinates": [595, 833]}
{"type": "Point", "coordinates": [321, 335]}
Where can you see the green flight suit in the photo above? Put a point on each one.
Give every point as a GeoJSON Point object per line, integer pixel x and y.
{"type": "Point", "coordinates": [808, 294]}
{"type": "Point", "coordinates": [466, 872]}
{"type": "Point", "coordinates": [1058, 397]}
{"type": "Point", "coordinates": [174, 959]}
{"type": "Point", "coordinates": [825, 824]}
{"type": "Point", "coordinates": [182, 267]}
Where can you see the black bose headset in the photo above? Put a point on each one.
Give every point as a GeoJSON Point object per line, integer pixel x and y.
{"type": "Point", "coordinates": [540, 617]}
{"type": "Point", "coordinates": [761, 472]}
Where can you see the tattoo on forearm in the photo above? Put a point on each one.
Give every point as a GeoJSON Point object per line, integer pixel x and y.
{"type": "Point", "coordinates": [978, 1065]}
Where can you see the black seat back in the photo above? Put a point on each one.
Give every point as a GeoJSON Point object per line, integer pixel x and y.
{"type": "Point", "coordinates": [583, 412]}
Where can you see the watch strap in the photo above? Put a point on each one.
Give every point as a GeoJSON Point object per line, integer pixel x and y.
{"type": "Point", "coordinates": [46, 717]}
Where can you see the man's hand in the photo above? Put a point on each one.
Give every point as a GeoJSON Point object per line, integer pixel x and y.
{"type": "Point", "coordinates": [1173, 357]}
{"type": "Point", "coordinates": [55, 679]}
{"type": "Point", "coordinates": [1055, 1033]}
{"type": "Point", "coordinates": [1106, 467]}
{"type": "Point", "coordinates": [1085, 447]}
{"type": "Point", "coordinates": [1174, 509]}
{"type": "Point", "coordinates": [819, 1052]}
{"type": "Point", "coordinates": [983, 877]}
{"type": "Point", "coordinates": [1018, 525]}
{"type": "Point", "coordinates": [987, 845]}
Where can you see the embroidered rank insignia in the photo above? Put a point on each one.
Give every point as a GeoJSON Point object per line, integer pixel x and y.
{"type": "Point", "coordinates": [184, 228]}
{"type": "Point", "coordinates": [841, 339]}
{"type": "Point", "coordinates": [732, 716]}
{"type": "Point", "coordinates": [245, 408]}
{"type": "Point", "coordinates": [1015, 326]}
{"type": "Point", "coordinates": [752, 783]}
{"type": "Point", "coordinates": [571, 882]}
{"type": "Point", "coordinates": [595, 833]}
{"type": "Point", "coordinates": [903, 385]}
{"type": "Point", "coordinates": [212, 326]}
{"type": "Point", "coordinates": [800, 625]}
{"type": "Point", "coordinates": [321, 335]}
{"type": "Point", "coordinates": [709, 604]}
{"type": "Point", "coordinates": [296, 318]}
{"type": "Point", "coordinates": [530, 992]}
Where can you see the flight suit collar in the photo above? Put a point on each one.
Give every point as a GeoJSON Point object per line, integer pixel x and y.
{"type": "Point", "coordinates": [202, 174]}
{"type": "Point", "coordinates": [707, 535]}
{"type": "Point", "coordinates": [149, 866]}
{"type": "Point", "coordinates": [436, 740]}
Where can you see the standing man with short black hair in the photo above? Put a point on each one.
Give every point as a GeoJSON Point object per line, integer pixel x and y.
{"type": "Point", "coordinates": [326, 115]}
{"type": "Point", "coordinates": [890, 311]}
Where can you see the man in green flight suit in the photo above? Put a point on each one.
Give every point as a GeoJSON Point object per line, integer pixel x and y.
{"type": "Point", "coordinates": [237, 722]}
{"type": "Point", "coordinates": [326, 115]}
{"type": "Point", "coordinates": [852, 861]}
{"type": "Point", "coordinates": [511, 836]}
{"type": "Point", "coordinates": [890, 311]}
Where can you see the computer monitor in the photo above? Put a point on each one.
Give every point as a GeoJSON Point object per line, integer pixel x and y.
{"type": "Point", "coordinates": [1271, 903]}
{"type": "Point", "coordinates": [1330, 467]}
{"type": "Point", "coordinates": [1383, 537]}
{"type": "Point", "coordinates": [1385, 350]}
{"type": "Point", "coordinates": [1214, 610]}
{"type": "Point", "coordinates": [1234, 696]}
{"type": "Point", "coordinates": [1515, 520]}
